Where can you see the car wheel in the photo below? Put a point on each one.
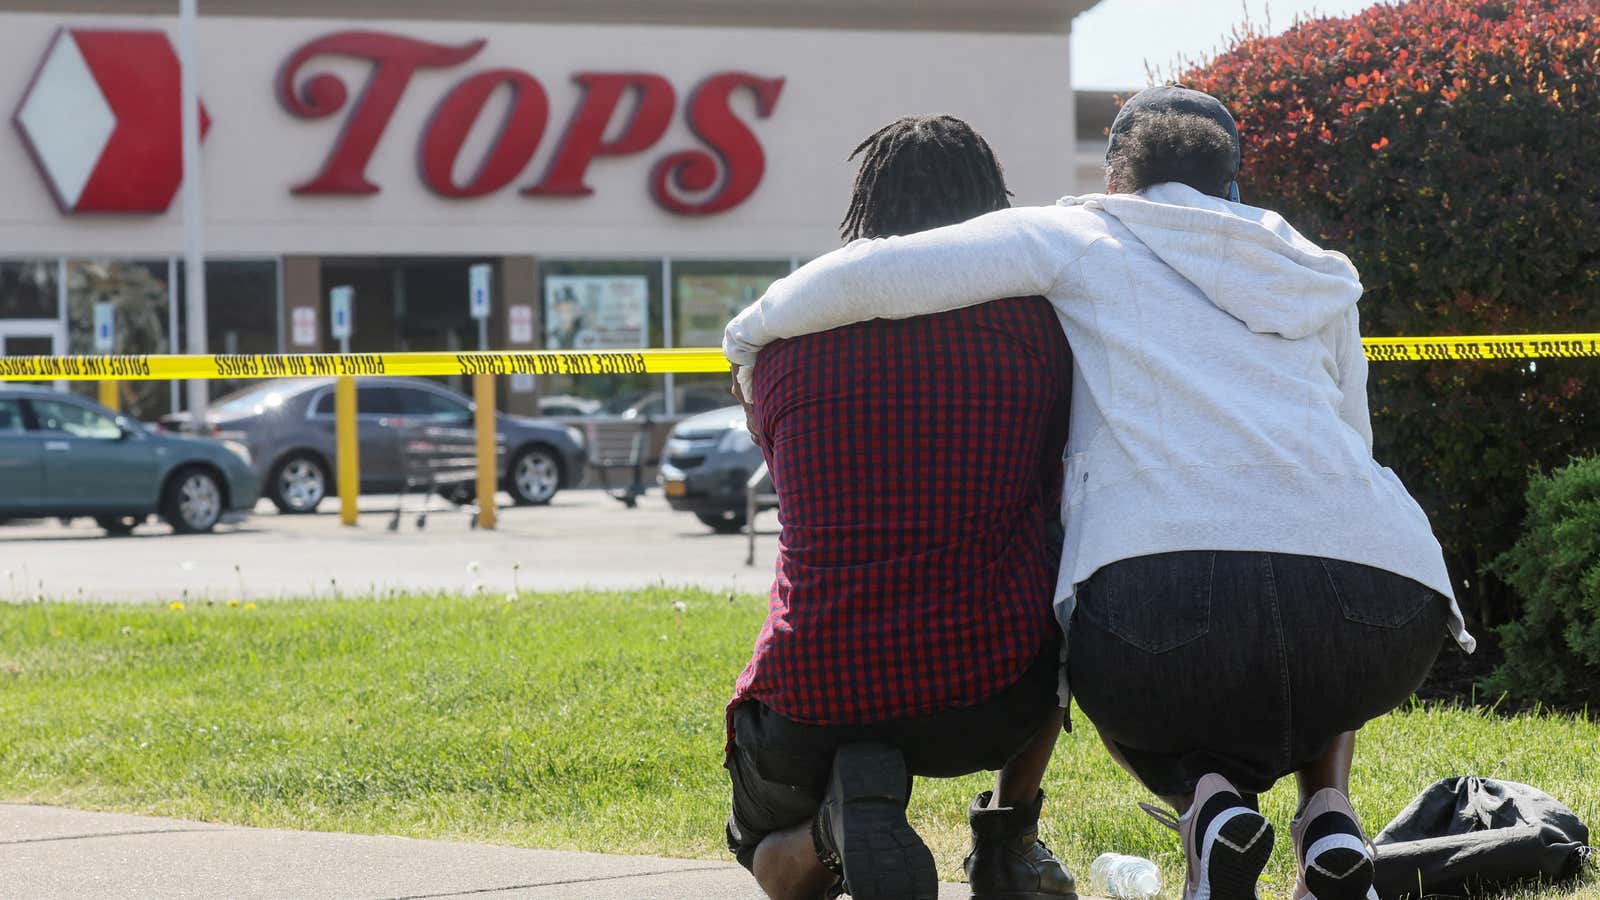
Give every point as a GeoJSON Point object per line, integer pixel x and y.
{"type": "Point", "coordinates": [298, 484]}
{"type": "Point", "coordinates": [119, 526]}
{"type": "Point", "coordinates": [534, 477]}
{"type": "Point", "coordinates": [722, 523]}
{"type": "Point", "coordinates": [192, 503]}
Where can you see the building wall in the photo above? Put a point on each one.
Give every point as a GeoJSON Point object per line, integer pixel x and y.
{"type": "Point", "coordinates": [838, 87]}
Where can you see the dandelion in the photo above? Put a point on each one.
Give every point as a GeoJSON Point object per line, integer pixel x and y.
{"type": "Point", "coordinates": [175, 606]}
{"type": "Point", "coordinates": [473, 567]}
{"type": "Point", "coordinates": [249, 606]}
{"type": "Point", "coordinates": [233, 602]}
{"type": "Point", "coordinates": [479, 587]}
{"type": "Point", "coordinates": [126, 631]}
{"type": "Point", "coordinates": [679, 606]}
{"type": "Point", "coordinates": [512, 597]}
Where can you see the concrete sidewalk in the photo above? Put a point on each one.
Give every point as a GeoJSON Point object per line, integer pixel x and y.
{"type": "Point", "coordinates": [48, 852]}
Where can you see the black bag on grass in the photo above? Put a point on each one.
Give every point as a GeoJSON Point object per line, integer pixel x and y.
{"type": "Point", "coordinates": [1474, 835]}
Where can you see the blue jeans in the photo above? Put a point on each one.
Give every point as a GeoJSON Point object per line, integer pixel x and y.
{"type": "Point", "coordinates": [1244, 664]}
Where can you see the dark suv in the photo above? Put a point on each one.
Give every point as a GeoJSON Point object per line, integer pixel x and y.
{"type": "Point", "coordinates": [705, 465]}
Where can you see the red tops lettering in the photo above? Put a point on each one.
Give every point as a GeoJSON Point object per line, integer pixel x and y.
{"type": "Point", "coordinates": [691, 182]}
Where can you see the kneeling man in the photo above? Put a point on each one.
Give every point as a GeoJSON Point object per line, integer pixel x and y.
{"type": "Point", "coordinates": [910, 632]}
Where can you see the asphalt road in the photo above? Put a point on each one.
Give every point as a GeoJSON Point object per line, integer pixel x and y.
{"type": "Point", "coordinates": [584, 539]}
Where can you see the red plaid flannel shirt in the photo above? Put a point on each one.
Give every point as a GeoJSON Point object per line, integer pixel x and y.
{"type": "Point", "coordinates": [915, 462]}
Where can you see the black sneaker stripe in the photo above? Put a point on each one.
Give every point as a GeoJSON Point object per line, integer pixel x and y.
{"type": "Point", "coordinates": [1326, 824]}
{"type": "Point", "coordinates": [1219, 803]}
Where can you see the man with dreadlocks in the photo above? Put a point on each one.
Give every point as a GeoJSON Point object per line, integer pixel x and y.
{"type": "Point", "coordinates": [909, 631]}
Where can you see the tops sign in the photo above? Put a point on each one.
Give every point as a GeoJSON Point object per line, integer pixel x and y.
{"type": "Point", "coordinates": [691, 182]}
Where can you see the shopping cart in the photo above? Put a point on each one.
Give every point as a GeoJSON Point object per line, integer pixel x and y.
{"type": "Point", "coordinates": [437, 461]}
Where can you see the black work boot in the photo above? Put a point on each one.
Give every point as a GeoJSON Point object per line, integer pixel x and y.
{"type": "Point", "coordinates": [861, 829]}
{"type": "Point", "coordinates": [1007, 861]}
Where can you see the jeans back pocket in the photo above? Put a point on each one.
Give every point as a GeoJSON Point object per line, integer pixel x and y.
{"type": "Point", "coordinates": [1370, 596]}
{"type": "Point", "coordinates": [1156, 603]}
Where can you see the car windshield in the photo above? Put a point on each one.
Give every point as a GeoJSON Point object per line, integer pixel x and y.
{"type": "Point", "coordinates": [244, 401]}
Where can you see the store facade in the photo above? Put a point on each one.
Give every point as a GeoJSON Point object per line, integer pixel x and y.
{"type": "Point", "coordinates": [627, 184]}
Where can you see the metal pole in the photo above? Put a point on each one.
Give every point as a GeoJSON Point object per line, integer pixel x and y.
{"type": "Point", "coordinates": [666, 331]}
{"type": "Point", "coordinates": [63, 340]}
{"type": "Point", "coordinates": [174, 389]}
{"type": "Point", "coordinates": [194, 263]}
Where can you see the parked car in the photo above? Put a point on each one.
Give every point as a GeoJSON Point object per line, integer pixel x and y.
{"type": "Point", "coordinates": [287, 425]}
{"type": "Point", "coordinates": [568, 407]}
{"type": "Point", "coordinates": [690, 402]}
{"type": "Point", "coordinates": [707, 460]}
{"type": "Point", "coordinates": [64, 456]}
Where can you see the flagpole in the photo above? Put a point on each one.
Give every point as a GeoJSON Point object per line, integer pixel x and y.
{"type": "Point", "coordinates": [194, 261]}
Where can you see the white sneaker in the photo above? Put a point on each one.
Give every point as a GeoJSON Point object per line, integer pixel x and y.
{"type": "Point", "coordinates": [1225, 843]}
{"type": "Point", "coordinates": [1333, 857]}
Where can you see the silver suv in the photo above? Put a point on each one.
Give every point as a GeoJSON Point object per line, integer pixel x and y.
{"type": "Point", "coordinates": [704, 467]}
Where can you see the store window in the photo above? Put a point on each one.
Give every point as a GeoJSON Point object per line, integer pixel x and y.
{"type": "Point", "coordinates": [241, 311]}
{"type": "Point", "coordinates": [705, 295]}
{"type": "Point", "coordinates": [28, 289]}
{"type": "Point", "coordinates": [603, 305]}
{"type": "Point", "coordinates": [138, 293]}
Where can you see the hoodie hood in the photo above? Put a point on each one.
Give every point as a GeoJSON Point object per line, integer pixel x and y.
{"type": "Point", "coordinates": [1248, 261]}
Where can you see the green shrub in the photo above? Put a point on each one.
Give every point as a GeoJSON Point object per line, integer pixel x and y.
{"type": "Point", "coordinates": [1553, 650]}
{"type": "Point", "coordinates": [1449, 147]}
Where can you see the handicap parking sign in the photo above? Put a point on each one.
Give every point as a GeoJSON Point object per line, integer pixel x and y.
{"type": "Point", "coordinates": [478, 289]}
{"type": "Point", "coordinates": [104, 327]}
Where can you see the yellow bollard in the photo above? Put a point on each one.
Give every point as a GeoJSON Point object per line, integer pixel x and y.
{"type": "Point", "coordinates": [110, 397]}
{"type": "Point", "coordinates": [345, 437]}
{"type": "Point", "coordinates": [483, 396]}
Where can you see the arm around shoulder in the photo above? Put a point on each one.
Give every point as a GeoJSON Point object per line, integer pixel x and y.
{"type": "Point", "coordinates": [1008, 253]}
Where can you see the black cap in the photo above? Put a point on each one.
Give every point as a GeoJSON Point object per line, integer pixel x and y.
{"type": "Point", "coordinates": [1172, 98]}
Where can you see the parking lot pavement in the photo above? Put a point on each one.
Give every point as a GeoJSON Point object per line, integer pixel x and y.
{"type": "Point", "coordinates": [584, 539]}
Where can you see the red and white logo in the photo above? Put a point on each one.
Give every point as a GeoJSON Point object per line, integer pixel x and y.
{"type": "Point", "coordinates": [102, 120]}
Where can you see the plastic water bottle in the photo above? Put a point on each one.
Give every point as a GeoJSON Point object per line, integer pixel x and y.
{"type": "Point", "coordinates": [1125, 877]}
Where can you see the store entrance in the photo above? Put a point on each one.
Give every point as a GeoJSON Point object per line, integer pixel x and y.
{"type": "Point", "coordinates": [406, 304]}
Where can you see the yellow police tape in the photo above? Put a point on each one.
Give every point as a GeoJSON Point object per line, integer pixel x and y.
{"type": "Point", "coordinates": [634, 362]}
{"type": "Point", "coordinates": [314, 365]}
{"type": "Point", "coordinates": [1487, 346]}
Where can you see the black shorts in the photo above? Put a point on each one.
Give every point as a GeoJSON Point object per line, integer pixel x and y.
{"type": "Point", "coordinates": [1244, 664]}
{"type": "Point", "coordinates": [780, 768]}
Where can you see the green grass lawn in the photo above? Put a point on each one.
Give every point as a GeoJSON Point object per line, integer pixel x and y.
{"type": "Point", "coordinates": [584, 721]}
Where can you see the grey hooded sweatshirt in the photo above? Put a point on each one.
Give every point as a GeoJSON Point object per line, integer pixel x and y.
{"type": "Point", "coordinates": [1220, 391]}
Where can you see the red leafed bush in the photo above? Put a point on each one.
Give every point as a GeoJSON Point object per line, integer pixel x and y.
{"type": "Point", "coordinates": [1452, 149]}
